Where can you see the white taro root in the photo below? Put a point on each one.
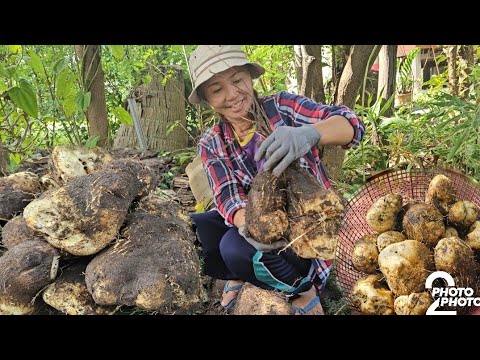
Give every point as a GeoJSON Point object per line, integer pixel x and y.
{"type": "Point", "coordinates": [69, 294]}
{"type": "Point", "coordinates": [381, 215]}
{"type": "Point", "coordinates": [455, 257]}
{"type": "Point", "coordinates": [423, 222]}
{"type": "Point", "coordinates": [463, 213]}
{"type": "Point", "coordinates": [16, 191]}
{"type": "Point", "coordinates": [473, 236]}
{"type": "Point", "coordinates": [389, 237]}
{"type": "Point", "coordinates": [440, 193]}
{"type": "Point", "coordinates": [85, 215]}
{"type": "Point", "coordinates": [413, 304]}
{"type": "Point", "coordinates": [365, 254]}
{"type": "Point", "coordinates": [70, 162]}
{"type": "Point", "coordinates": [253, 300]}
{"type": "Point", "coordinates": [371, 296]}
{"type": "Point", "coordinates": [406, 265]}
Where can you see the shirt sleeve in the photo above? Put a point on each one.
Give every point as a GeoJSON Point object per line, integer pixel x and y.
{"type": "Point", "coordinates": [228, 194]}
{"type": "Point", "coordinates": [303, 110]}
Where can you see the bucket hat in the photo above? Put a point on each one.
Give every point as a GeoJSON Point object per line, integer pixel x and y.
{"type": "Point", "coordinates": [208, 60]}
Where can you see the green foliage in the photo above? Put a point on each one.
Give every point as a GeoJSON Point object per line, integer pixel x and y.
{"type": "Point", "coordinates": [24, 97]}
{"type": "Point", "coordinates": [91, 142]}
{"type": "Point", "coordinates": [123, 115]}
{"type": "Point", "coordinates": [117, 51]}
{"type": "Point", "coordinates": [404, 72]}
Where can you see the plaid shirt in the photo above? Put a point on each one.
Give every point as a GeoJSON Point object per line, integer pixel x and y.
{"type": "Point", "coordinates": [230, 171]}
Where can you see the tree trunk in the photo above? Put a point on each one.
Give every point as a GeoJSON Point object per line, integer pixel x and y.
{"type": "Point", "coordinates": [3, 159]}
{"type": "Point", "coordinates": [451, 52]}
{"type": "Point", "coordinates": [159, 106]}
{"type": "Point", "coordinates": [386, 74]}
{"type": "Point", "coordinates": [349, 84]}
{"type": "Point", "coordinates": [311, 85]}
{"type": "Point", "coordinates": [340, 55]}
{"type": "Point", "coordinates": [298, 64]}
{"type": "Point", "coordinates": [93, 82]}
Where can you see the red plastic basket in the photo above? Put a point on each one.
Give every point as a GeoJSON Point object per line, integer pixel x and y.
{"type": "Point", "coordinates": [412, 185]}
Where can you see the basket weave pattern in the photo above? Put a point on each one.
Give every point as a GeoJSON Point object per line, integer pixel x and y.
{"type": "Point", "coordinates": [413, 186]}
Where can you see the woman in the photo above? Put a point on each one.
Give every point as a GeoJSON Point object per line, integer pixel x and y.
{"type": "Point", "coordinates": [222, 77]}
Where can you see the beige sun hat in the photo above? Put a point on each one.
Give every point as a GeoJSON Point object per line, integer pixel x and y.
{"type": "Point", "coordinates": [208, 60]}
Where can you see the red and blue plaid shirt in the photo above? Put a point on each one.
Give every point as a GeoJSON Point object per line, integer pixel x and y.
{"type": "Point", "coordinates": [230, 171]}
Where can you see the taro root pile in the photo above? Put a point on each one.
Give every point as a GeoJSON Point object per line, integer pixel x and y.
{"type": "Point", "coordinates": [410, 241]}
{"type": "Point", "coordinates": [88, 234]}
{"type": "Point", "coordinates": [297, 208]}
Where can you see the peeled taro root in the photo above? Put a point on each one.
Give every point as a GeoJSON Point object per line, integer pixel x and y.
{"type": "Point", "coordinates": [423, 222]}
{"type": "Point", "coordinates": [372, 296]}
{"type": "Point", "coordinates": [365, 255]}
{"type": "Point", "coordinates": [413, 304]}
{"type": "Point", "coordinates": [265, 214]}
{"type": "Point", "coordinates": [314, 215]}
{"type": "Point", "coordinates": [24, 270]}
{"type": "Point", "coordinates": [440, 193]}
{"type": "Point", "coordinates": [406, 265]}
{"type": "Point", "coordinates": [381, 215]}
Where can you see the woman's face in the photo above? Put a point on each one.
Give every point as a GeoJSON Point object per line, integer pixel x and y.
{"type": "Point", "coordinates": [230, 93]}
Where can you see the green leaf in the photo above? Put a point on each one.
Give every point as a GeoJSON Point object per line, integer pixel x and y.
{"type": "Point", "coordinates": [24, 97]}
{"type": "Point", "coordinates": [60, 64]}
{"type": "Point", "coordinates": [2, 71]}
{"type": "Point", "coordinates": [92, 142]}
{"type": "Point", "coordinates": [172, 126]}
{"type": "Point", "coordinates": [123, 116]}
{"type": "Point", "coordinates": [11, 71]}
{"type": "Point", "coordinates": [15, 49]}
{"type": "Point", "coordinates": [117, 51]}
{"type": "Point", "coordinates": [392, 120]}
{"type": "Point", "coordinates": [83, 100]}
{"type": "Point", "coordinates": [36, 63]}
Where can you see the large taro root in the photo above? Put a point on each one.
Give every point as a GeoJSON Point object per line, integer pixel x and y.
{"type": "Point", "coordinates": [314, 215]}
{"type": "Point", "coordinates": [85, 215]}
{"type": "Point", "coordinates": [371, 296]}
{"type": "Point", "coordinates": [406, 265]}
{"type": "Point", "coordinates": [382, 214]}
{"type": "Point", "coordinates": [24, 270]}
{"type": "Point", "coordinates": [413, 304]}
{"type": "Point", "coordinates": [265, 214]}
{"type": "Point", "coordinates": [252, 300]}
{"type": "Point", "coordinates": [16, 231]}
{"type": "Point", "coordinates": [69, 294]}
{"type": "Point", "coordinates": [69, 162]}
{"type": "Point", "coordinates": [440, 193]}
{"type": "Point", "coordinates": [153, 267]}
{"type": "Point", "coordinates": [365, 254]}
{"type": "Point", "coordinates": [423, 222]}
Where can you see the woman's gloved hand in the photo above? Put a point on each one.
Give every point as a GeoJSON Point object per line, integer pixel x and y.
{"type": "Point", "coordinates": [259, 246]}
{"type": "Point", "coordinates": [285, 145]}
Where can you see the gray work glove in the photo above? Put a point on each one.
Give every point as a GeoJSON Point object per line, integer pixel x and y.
{"type": "Point", "coordinates": [259, 246]}
{"type": "Point", "coordinates": [285, 145]}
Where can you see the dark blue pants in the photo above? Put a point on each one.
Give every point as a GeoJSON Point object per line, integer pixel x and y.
{"type": "Point", "coordinates": [227, 255]}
